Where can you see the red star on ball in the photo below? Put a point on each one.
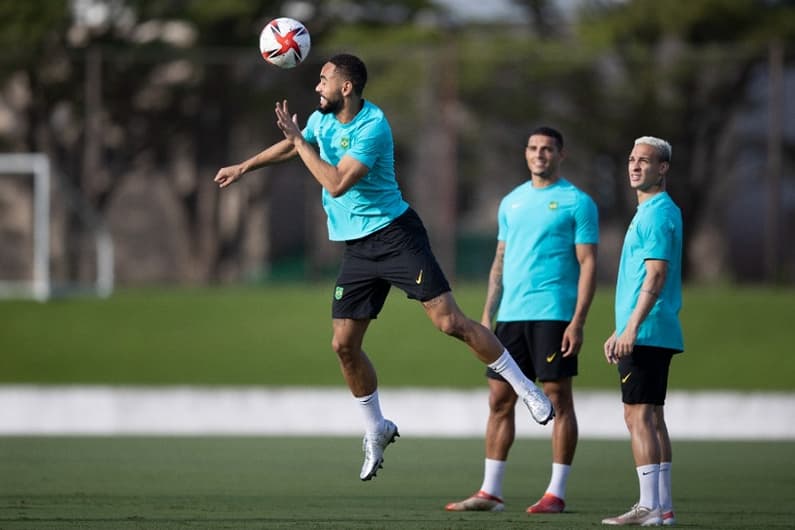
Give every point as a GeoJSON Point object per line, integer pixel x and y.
{"type": "Point", "coordinates": [286, 41]}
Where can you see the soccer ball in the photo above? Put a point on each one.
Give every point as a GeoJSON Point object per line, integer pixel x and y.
{"type": "Point", "coordinates": [284, 42]}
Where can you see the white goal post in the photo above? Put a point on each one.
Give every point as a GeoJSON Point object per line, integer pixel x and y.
{"type": "Point", "coordinates": [40, 285]}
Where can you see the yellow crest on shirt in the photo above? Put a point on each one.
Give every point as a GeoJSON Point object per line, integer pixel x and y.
{"type": "Point", "coordinates": [553, 205]}
{"type": "Point", "coordinates": [345, 142]}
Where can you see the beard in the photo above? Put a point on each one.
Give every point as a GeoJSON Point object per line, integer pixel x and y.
{"type": "Point", "coordinates": [331, 107]}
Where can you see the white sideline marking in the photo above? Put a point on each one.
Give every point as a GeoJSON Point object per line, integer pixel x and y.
{"type": "Point", "coordinates": [108, 410]}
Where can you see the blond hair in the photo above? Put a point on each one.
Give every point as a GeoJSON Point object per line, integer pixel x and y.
{"type": "Point", "coordinates": [662, 147]}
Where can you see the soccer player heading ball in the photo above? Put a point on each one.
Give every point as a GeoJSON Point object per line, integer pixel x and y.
{"type": "Point", "coordinates": [347, 147]}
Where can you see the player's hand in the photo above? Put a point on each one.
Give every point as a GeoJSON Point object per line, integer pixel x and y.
{"type": "Point", "coordinates": [625, 343]}
{"type": "Point", "coordinates": [572, 340]}
{"type": "Point", "coordinates": [287, 123]}
{"type": "Point", "coordinates": [610, 349]}
{"type": "Point", "coordinates": [228, 175]}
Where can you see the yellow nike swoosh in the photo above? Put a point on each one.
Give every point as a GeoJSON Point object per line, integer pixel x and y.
{"type": "Point", "coordinates": [626, 377]}
{"type": "Point", "coordinates": [551, 358]}
{"type": "Point", "coordinates": [419, 278]}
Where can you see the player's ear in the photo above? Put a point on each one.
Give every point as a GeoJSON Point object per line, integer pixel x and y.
{"type": "Point", "coordinates": [347, 88]}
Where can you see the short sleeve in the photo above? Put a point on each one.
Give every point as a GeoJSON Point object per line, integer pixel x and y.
{"type": "Point", "coordinates": [586, 218]}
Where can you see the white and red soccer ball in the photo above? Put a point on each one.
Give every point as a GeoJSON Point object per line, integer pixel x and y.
{"type": "Point", "coordinates": [284, 42]}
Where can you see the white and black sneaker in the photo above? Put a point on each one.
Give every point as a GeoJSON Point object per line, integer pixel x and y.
{"type": "Point", "coordinates": [540, 406]}
{"type": "Point", "coordinates": [373, 446]}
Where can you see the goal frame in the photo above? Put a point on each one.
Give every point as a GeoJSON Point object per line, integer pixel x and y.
{"type": "Point", "coordinates": [40, 285]}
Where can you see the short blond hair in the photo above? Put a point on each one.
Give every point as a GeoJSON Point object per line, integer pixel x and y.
{"type": "Point", "coordinates": [662, 147]}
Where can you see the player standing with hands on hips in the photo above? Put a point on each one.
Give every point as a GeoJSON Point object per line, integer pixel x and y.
{"type": "Point", "coordinates": [648, 332]}
{"type": "Point", "coordinates": [348, 148]}
{"type": "Point", "coordinates": [542, 281]}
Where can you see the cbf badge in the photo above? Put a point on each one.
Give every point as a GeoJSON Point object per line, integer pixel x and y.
{"type": "Point", "coordinates": [338, 293]}
{"type": "Point", "coordinates": [345, 142]}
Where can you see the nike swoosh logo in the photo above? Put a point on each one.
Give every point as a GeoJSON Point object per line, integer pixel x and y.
{"type": "Point", "coordinates": [419, 278]}
{"type": "Point", "coordinates": [647, 473]}
{"type": "Point", "coordinates": [626, 377]}
{"type": "Point", "coordinates": [551, 358]}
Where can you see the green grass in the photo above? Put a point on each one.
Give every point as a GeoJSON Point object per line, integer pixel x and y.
{"type": "Point", "coordinates": [735, 339]}
{"type": "Point", "coordinates": [246, 483]}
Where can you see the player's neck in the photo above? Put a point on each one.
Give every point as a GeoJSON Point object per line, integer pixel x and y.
{"type": "Point", "coordinates": [645, 195]}
{"type": "Point", "coordinates": [350, 109]}
{"type": "Point", "coordinates": [540, 181]}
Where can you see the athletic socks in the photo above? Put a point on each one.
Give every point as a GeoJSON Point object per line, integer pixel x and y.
{"type": "Point", "coordinates": [558, 480]}
{"type": "Point", "coordinates": [648, 479]}
{"type": "Point", "coordinates": [666, 500]}
{"type": "Point", "coordinates": [493, 472]}
{"type": "Point", "coordinates": [506, 366]}
{"type": "Point", "coordinates": [371, 409]}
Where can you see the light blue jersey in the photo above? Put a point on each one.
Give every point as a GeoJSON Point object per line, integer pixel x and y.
{"type": "Point", "coordinates": [375, 200]}
{"type": "Point", "coordinates": [654, 233]}
{"type": "Point", "coordinates": [540, 227]}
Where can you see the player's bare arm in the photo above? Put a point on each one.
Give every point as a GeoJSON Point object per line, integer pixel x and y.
{"type": "Point", "coordinates": [574, 334]}
{"type": "Point", "coordinates": [278, 152]}
{"type": "Point", "coordinates": [494, 288]}
{"type": "Point", "coordinates": [656, 271]}
{"type": "Point", "coordinates": [336, 179]}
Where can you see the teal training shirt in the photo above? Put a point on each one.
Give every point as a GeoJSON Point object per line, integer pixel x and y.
{"type": "Point", "coordinates": [654, 233]}
{"type": "Point", "coordinates": [375, 200]}
{"type": "Point", "coordinates": [540, 227]}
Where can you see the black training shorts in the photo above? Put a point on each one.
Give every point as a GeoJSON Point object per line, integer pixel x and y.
{"type": "Point", "coordinates": [535, 346]}
{"type": "Point", "coordinates": [398, 254]}
{"type": "Point", "coordinates": [644, 375]}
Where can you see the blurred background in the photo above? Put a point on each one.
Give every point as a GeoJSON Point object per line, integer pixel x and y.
{"type": "Point", "coordinates": [132, 106]}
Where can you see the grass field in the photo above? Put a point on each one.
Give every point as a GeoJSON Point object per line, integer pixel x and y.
{"type": "Point", "coordinates": [247, 483]}
{"type": "Point", "coordinates": [736, 339]}
{"type": "Point", "coordinates": [739, 339]}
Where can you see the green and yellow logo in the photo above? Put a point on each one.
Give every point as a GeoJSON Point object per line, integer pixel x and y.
{"type": "Point", "coordinates": [553, 205]}
{"type": "Point", "coordinates": [338, 292]}
{"type": "Point", "coordinates": [345, 142]}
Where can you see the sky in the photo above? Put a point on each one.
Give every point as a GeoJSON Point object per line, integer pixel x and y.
{"type": "Point", "coordinates": [485, 10]}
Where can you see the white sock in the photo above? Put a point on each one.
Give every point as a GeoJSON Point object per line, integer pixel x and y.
{"type": "Point", "coordinates": [371, 408]}
{"type": "Point", "coordinates": [506, 366]}
{"type": "Point", "coordinates": [557, 483]}
{"type": "Point", "coordinates": [649, 477]}
{"type": "Point", "coordinates": [666, 500]}
{"type": "Point", "coordinates": [492, 477]}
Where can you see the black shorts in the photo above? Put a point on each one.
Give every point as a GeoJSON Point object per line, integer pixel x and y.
{"type": "Point", "coordinates": [535, 346]}
{"type": "Point", "coordinates": [644, 375]}
{"type": "Point", "coordinates": [398, 254]}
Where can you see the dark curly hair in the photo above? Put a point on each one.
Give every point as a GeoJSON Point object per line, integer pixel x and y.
{"type": "Point", "coordinates": [353, 69]}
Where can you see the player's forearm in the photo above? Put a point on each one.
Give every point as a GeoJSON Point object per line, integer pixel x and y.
{"type": "Point", "coordinates": [327, 175]}
{"type": "Point", "coordinates": [493, 292]}
{"type": "Point", "coordinates": [586, 287]}
{"type": "Point", "coordinates": [649, 292]}
{"type": "Point", "coordinates": [493, 297]}
{"type": "Point", "coordinates": [278, 152]}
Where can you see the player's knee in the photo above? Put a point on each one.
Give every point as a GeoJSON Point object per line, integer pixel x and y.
{"type": "Point", "coordinates": [561, 401]}
{"type": "Point", "coordinates": [341, 348]}
{"type": "Point", "coordinates": [452, 325]}
{"type": "Point", "coordinates": [502, 408]}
